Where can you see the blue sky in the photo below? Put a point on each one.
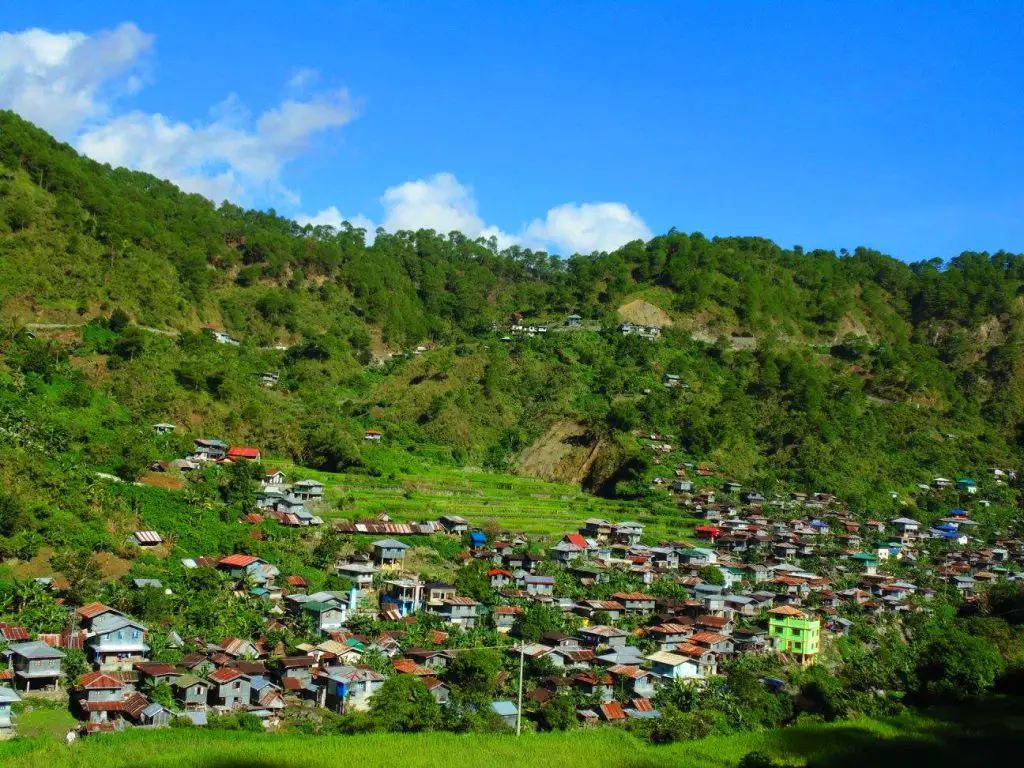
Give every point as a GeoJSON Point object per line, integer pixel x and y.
{"type": "Point", "coordinates": [560, 125]}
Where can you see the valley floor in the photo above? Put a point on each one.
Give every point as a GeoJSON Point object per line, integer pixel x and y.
{"type": "Point", "coordinates": [967, 736]}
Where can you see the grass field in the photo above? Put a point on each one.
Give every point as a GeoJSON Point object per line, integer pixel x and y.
{"type": "Point", "coordinates": [976, 736]}
{"type": "Point", "coordinates": [516, 503]}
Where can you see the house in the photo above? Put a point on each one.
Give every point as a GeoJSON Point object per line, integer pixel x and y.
{"type": "Point", "coordinates": [346, 689]}
{"type": "Point", "coordinates": [601, 635]}
{"type": "Point", "coordinates": [438, 689]}
{"type": "Point", "coordinates": [668, 636]}
{"type": "Point", "coordinates": [665, 558]}
{"type": "Point", "coordinates": [230, 688]}
{"type": "Point", "coordinates": [566, 551]}
{"type": "Point", "coordinates": [147, 539]}
{"type": "Point", "coordinates": [116, 642]}
{"type": "Point", "coordinates": [539, 585]}
{"type": "Point", "coordinates": [163, 429]}
{"type": "Point", "coordinates": [373, 435]}
{"type": "Point", "coordinates": [210, 450]}
{"type": "Point", "coordinates": [327, 615]}
{"type": "Point", "coordinates": [682, 486]}
{"type": "Point", "coordinates": [36, 666]}
{"type": "Point", "coordinates": [506, 712]}
{"type": "Point", "coordinates": [7, 698]}
{"type": "Point", "coordinates": [634, 679]}
{"type": "Point", "coordinates": [190, 692]}
{"type": "Point", "coordinates": [673, 666]}
{"type": "Point", "coordinates": [499, 577]}
{"type": "Point", "coordinates": [712, 641]}
{"type": "Point", "coordinates": [308, 490]}
{"type": "Point", "coordinates": [157, 672]}
{"type": "Point", "coordinates": [573, 321]}
{"type": "Point", "coordinates": [628, 533]}
{"type": "Point", "coordinates": [598, 684]}
{"type": "Point", "coordinates": [967, 485]}
{"type": "Point", "coordinates": [104, 697]}
{"type": "Point", "coordinates": [360, 574]}
{"type": "Point", "coordinates": [389, 553]}
{"type": "Point", "coordinates": [454, 524]}
{"type": "Point", "coordinates": [907, 527]}
{"type": "Point", "coordinates": [237, 453]}
{"type": "Point", "coordinates": [247, 568]}
{"type": "Point", "coordinates": [731, 487]}
{"type": "Point", "coordinates": [505, 617]}
{"type": "Point", "coordinates": [459, 611]}
{"type": "Point", "coordinates": [791, 631]}
{"type": "Point", "coordinates": [157, 715]}
{"type": "Point", "coordinates": [671, 381]}
{"type": "Point", "coordinates": [269, 379]}
{"type": "Point", "coordinates": [403, 596]}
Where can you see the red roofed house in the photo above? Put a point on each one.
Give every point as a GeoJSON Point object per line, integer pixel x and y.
{"type": "Point", "coordinates": [239, 452]}
{"type": "Point", "coordinates": [231, 687]}
{"type": "Point", "coordinates": [576, 540]}
{"type": "Point", "coordinates": [611, 712]}
{"type": "Point", "coordinates": [499, 577]}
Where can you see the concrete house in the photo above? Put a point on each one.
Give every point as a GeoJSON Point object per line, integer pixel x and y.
{"type": "Point", "coordinates": [308, 490]}
{"type": "Point", "coordinates": [389, 552]}
{"type": "Point", "coordinates": [454, 524]}
{"type": "Point", "coordinates": [347, 689]}
{"type": "Point", "coordinates": [628, 533]}
{"type": "Point", "coordinates": [459, 611]}
{"type": "Point", "coordinates": [116, 642]}
{"type": "Point", "coordinates": [668, 636]}
{"type": "Point", "coordinates": [540, 585]}
{"type": "Point", "coordinates": [36, 666]}
{"type": "Point", "coordinates": [673, 666]}
{"type": "Point", "coordinates": [635, 602]}
{"type": "Point", "coordinates": [7, 698]}
{"type": "Point", "coordinates": [404, 596]}
{"type": "Point", "coordinates": [210, 450]}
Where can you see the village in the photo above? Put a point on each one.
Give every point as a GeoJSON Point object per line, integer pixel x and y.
{"type": "Point", "coordinates": [625, 616]}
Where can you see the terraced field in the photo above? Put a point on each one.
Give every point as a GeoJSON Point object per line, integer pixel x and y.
{"type": "Point", "coordinates": [485, 498]}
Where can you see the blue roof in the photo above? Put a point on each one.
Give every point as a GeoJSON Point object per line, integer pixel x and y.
{"type": "Point", "coordinates": [504, 708]}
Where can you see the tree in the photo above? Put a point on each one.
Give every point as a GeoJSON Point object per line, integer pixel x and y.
{"type": "Point", "coordinates": [558, 715]}
{"type": "Point", "coordinates": [403, 704]}
{"type": "Point", "coordinates": [13, 514]}
{"type": "Point", "coordinates": [534, 621]}
{"type": "Point", "coordinates": [712, 574]}
{"type": "Point", "coordinates": [472, 581]}
{"type": "Point", "coordinates": [475, 672]}
{"type": "Point", "coordinates": [118, 321]}
{"type": "Point", "coordinates": [955, 666]}
{"type": "Point", "coordinates": [80, 570]}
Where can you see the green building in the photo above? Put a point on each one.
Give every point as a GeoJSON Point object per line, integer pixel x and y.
{"type": "Point", "coordinates": [792, 632]}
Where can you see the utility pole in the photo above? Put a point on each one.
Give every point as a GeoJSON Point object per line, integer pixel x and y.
{"type": "Point", "coordinates": [519, 706]}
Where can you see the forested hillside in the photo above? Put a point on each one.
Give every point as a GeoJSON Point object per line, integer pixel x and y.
{"type": "Point", "coordinates": [851, 372]}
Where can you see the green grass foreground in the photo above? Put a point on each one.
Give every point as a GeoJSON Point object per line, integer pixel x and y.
{"type": "Point", "coordinates": [967, 736]}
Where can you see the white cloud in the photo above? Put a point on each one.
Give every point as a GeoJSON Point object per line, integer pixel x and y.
{"type": "Point", "coordinates": [587, 227]}
{"type": "Point", "coordinates": [444, 204]}
{"type": "Point", "coordinates": [303, 78]}
{"type": "Point", "coordinates": [331, 217]}
{"type": "Point", "coordinates": [440, 203]}
{"type": "Point", "coordinates": [61, 80]}
{"type": "Point", "coordinates": [67, 83]}
{"type": "Point", "coordinates": [224, 157]}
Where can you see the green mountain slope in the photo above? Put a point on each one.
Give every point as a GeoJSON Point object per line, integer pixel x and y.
{"type": "Point", "coordinates": [854, 373]}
